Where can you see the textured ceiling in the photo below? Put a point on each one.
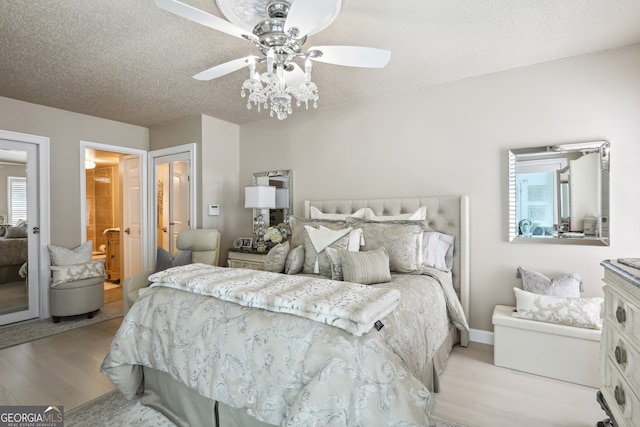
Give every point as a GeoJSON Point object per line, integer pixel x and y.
{"type": "Point", "coordinates": [128, 60]}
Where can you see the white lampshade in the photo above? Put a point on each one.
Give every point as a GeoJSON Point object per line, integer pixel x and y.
{"type": "Point", "coordinates": [260, 197]}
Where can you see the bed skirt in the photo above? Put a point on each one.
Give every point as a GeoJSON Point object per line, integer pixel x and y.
{"type": "Point", "coordinates": [184, 406]}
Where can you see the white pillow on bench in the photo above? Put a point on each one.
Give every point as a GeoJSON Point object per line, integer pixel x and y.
{"type": "Point", "coordinates": [579, 312]}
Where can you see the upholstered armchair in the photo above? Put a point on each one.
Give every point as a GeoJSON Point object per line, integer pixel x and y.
{"type": "Point", "coordinates": [205, 248]}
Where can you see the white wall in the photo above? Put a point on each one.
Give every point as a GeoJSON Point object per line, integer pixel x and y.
{"type": "Point", "coordinates": [220, 165]}
{"type": "Point", "coordinates": [453, 139]}
{"type": "Point", "coordinates": [65, 131]}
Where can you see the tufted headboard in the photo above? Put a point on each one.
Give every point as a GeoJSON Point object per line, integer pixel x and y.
{"type": "Point", "coordinates": [446, 214]}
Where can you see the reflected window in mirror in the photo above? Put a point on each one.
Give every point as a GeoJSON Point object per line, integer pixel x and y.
{"type": "Point", "coordinates": [282, 180]}
{"type": "Point", "coordinates": [560, 194]}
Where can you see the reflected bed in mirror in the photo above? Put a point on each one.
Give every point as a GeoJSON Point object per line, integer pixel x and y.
{"type": "Point", "coordinates": [560, 194]}
{"type": "Point", "coordinates": [282, 180]}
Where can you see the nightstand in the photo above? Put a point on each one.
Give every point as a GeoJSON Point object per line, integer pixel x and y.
{"type": "Point", "coordinates": [237, 258]}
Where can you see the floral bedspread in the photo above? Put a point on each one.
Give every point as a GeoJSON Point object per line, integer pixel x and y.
{"type": "Point", "coordinates": [285, 369]}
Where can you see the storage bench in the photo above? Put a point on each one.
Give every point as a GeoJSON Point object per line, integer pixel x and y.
{"type": "Point", "coordinates": [557, 351]}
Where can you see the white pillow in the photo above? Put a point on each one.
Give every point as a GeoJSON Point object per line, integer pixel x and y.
{"type": "Point", "coordinates": [316, 213]}
{"type": "Point", "coordinates": [72, 273]}
{"type": "Point", "coordinates": [437, 249]}
{"type": "Point", "coordinates": [420, 214]}
{"type": "Point", "coordinates": [316, 260]}
{"type": "Point", "coordinates": [64, 256]}
{"type": "Point", "coordinates": [564, 285]}
{"type": "Point", "coordinates": [276, 258]}
{"type": "Point", "coordinates": [356, 239]}
{"type": "Point", "coordinates": [579, 312]}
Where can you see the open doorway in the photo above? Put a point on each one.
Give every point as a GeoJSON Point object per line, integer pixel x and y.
{"type": "Point", "coordinates": [111, 194]}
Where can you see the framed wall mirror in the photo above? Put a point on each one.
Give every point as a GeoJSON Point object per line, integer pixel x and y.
{"type": "Point", "coordinates": [560, 194]}
{"type": "Point", "coordinates": [282, 180]}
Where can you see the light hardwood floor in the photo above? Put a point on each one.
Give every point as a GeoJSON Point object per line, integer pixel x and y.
{"type": "Point", "coordinates": [477, 393]}
{"type": "Point", "coordinates": [64, 370]}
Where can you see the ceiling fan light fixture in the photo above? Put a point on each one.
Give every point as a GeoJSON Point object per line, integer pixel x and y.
{"type": "Point", "coordinates": [279, 38]}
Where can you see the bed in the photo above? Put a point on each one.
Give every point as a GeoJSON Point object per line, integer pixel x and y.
{"type": "Point", "coordinates": [13, 255]}
{"type": "Point", "coordinates": [205, 346]}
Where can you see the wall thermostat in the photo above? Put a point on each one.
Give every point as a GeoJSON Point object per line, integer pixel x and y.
{"type": "Point", "coordinates": [214, 210]}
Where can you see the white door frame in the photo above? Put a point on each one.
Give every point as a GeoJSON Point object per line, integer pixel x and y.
{"type": "Point", "coordinates": [142, 154]}
{"type": "Point", "coordinates": [152, 200]}
{"type": "Point", "coordinates": [42, 143]}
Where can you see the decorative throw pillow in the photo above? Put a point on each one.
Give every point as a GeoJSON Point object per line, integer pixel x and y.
{"type": "Point", "coordinates": [276, 258]}
{"type": "Point", "coordinates": [316, 213]}
{"type": "Point", "coordinates": [420, 214]}
{"type": "Point", "coordinates": [74, 272]}
{"type": "Point", "coordinates": [334, 262]}
{"type": "Point", "coordinates": [437, 249]}
{"type": "Point", "coordinates": [298, 232]}
{"type": "Point", "coordinates": [15, 232]}
{"type": "Point", "coordinates": [3, 230]}
{"type": "Point", "coordinates": [566, 285]}
{"type": "Point", "coordinates": [295, 260]}
{"type": "Point", "coordinates": [579, 312]}
{"type": "Point", "coordinates": [401, 239]}
{"type": "Point", "coordinates": [316, 260]}
{"type": "Point", "coordinates": [365, 267]}
{"type": "Point", "coordinates": [64, 256]}
{"type": "Point", "coordinates": [164, 259]}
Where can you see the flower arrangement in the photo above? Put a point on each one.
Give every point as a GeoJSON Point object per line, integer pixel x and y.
{"type": "Point", "coordinates": [276, 233]}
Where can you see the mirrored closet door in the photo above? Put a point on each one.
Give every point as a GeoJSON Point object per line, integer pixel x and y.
{"type": "Point", "coordinates": [19, 231]}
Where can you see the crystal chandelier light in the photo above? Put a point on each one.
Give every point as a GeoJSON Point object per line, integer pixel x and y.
{"type": "Point", "coordinates": [279, 36]}
{"type": "Point", "coordinates": [272, 90]}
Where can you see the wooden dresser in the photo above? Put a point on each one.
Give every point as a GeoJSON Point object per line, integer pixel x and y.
{"type": "Point", "coordinates": [620, 346]}
{"type": "Point", "coordinates": [237, 258]}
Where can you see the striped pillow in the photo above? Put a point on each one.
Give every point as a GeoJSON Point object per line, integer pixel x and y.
{"type": "Point", "coordinates": [365, 267]}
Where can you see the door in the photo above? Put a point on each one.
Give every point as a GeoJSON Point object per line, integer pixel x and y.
{"type": "Point", "coordinates": [173, 198]}
{"type": "Point", "coordinates": [20, 245]}
{"type": "Point", "coordinates": [131, 214]}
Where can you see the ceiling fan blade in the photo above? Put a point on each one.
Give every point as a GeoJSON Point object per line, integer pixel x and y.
{"type": "Point", "coordinates": [222, 69]}
{"type": "Point", "coordinates": [203, 18]}
{"type": "Point", "coordinates": [294, 77]}
{"type": "Point", "coordinates": [352, 56]}
{"type": "Point", "coordinates": [306, 15]}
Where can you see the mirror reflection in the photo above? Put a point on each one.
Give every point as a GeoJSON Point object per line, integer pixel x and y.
{"type": "Point", "coordinates": [282, 180]}
{"type": "Point", "coordinates": [14, 292]}
{"type": "Point", "coordinates": [560, 194]}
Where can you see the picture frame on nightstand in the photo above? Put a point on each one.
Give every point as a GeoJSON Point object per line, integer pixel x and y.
{"type": "Point", "coordinates": [247, 243]}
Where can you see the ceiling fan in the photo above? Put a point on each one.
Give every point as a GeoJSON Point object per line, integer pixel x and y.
{"type": "Point", "coordinates": [279, 32]}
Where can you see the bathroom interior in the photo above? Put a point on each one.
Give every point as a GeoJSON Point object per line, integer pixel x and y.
{"type": "Point", "coordinates": [103, 216]}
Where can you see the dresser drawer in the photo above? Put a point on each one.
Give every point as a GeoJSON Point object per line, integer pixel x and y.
{"type": "Point", "coordinates": [619, 352]}
{"type": "Point", "coordinates": [622, 314]}
{"type": "Point", "coordinates": [623, 402]}
{"type": "Point", "coordinates": [250, 260]}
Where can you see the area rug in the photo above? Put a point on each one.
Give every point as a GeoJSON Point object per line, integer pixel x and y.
{"type": "Point", "coordinates": [113, 410]}
{"type": "Point", "coordinates": [22, 332]}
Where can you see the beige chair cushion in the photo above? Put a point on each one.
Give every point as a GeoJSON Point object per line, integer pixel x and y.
{"type": "Point", "coordinates": [204, 244]}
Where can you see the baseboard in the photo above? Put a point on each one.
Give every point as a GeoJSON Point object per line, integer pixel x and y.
{"type": "Point", "coordinates": [478, 335]}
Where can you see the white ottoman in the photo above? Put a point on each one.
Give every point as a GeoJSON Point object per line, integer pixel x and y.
{"type": "Point", "coordinates": [557, 351]}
